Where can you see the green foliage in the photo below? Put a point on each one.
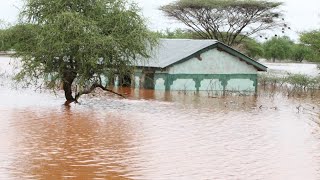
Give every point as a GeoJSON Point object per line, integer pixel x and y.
{"type": "Point", "coordinates": [265, 79]}
{"type": "Point", "coordinates": [283, 48]}
{"type": "Point", "coordinates": [5, 40]}
{"type": "Point", "coordinates": [252, 48]}
{"type": "Point", "coordinates": [278, 48]}
{"type": "Point", "coordinates": [22, 37]}
{"type": "Point", "coordinates": [291, 84]}
{"type": "Point", "coordinates": [4, 45]}
{"type": "Point", "coordinates": [300, 80]}
{"type": "Point", "coordinates": [312, 39]}
{"type": "Point", "coordinates": [78, 42]}
{"type": "Point", "coordinates": [295, 80]}
{"type": "Point", "coordinates": [177, 34]}
{"type": "Point", "coordinates": [301, 52]}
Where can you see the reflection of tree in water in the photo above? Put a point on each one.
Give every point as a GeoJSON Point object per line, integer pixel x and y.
{"type": "Point", "coordinates": [72, 144]}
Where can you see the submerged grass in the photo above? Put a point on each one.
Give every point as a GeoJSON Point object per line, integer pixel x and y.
{"type": "Point", "coordinates": [293, 84]}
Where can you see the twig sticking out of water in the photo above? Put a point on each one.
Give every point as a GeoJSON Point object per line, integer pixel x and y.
{"type": "Point", "coordinates": [299, 108]}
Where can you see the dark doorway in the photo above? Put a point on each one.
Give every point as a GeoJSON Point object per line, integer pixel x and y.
{"type": "Point", "coordinates": [125, 80]}
{"type": "Point", "coordinates": [149, 81]}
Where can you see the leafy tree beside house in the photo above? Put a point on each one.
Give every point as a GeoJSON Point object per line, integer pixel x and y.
{"type": "Point", "coordinates": [76, 43]}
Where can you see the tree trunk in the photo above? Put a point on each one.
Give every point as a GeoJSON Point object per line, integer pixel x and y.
{"type": "Point", "coordinates": [67, 87]}
{"type": "Point", "coordinates": [68, 91]}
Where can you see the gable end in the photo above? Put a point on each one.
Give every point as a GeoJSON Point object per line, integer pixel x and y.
{"type": "Point", "coordinates": [222, 47]}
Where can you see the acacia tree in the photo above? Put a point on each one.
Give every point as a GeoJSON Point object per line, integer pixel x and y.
{"type": "Point", "coordinates": [77, 42]}
{"type": "Point", "coordinates": [226, 20]}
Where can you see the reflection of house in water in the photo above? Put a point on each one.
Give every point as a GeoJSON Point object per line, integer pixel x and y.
{"type": "Point", "coordinates": [198, 65]}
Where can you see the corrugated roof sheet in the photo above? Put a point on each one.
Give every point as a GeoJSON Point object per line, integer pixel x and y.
{"type": "Point", "coordinates": [171, 51]}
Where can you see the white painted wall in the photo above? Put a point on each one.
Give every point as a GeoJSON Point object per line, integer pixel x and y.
{"type": "Point", "coordinates": [136, 81]}
{"type": "Point", "coordinates": [213, 62]}
{"type": "Point", "coordinates": [240, 85]}
{"type": "Point", "coordinates": [183, 84]}
{"type": "Point", "coordinates": [210, 85]}
{"type": "Point", "coordinates": [159, 84]}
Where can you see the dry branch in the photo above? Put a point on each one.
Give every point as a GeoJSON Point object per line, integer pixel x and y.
{"type": "Point", "coordinates": [92, 88]}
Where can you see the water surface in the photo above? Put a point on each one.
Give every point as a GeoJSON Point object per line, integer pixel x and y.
{"type": "Point", "coordinates": [157, 135]}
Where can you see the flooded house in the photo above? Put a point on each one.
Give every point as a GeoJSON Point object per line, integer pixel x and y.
{"type": "Point", "coordinates": [197, 65]}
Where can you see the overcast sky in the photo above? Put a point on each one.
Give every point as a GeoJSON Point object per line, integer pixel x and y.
{"type": "Point", "coordinates": [301, 14]}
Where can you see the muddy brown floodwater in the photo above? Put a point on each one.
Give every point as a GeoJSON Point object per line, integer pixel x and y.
{"type": "Point", "coordinates": [156, 135]}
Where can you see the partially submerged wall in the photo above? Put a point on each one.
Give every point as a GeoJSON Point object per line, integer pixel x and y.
{"type": "Point", "coordinates": [213, 70]}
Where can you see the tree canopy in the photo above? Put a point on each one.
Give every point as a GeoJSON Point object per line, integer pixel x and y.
{"type": "Point", "coordinates": [225, 20]}
{"type": "Point", "coordinates": [252, 48]}
{"type": "Point", "coordinates": [312, 39]}
{"type": "Point", "coordinates": [302, 52]}
{"type": "Point", "coordinates": [176, 34]}
{"type": "Point", "coordinates": [5, 44]}
{"type": "Point", "coordinates": [278, 48]}
{"type": "Point", "coordinates": [3, 41]}
{"type": "Point", "coordinates": [77, 42]}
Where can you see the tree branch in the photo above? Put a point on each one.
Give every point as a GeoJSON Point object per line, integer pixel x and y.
{"type": "Point", "coordinates": [92, 88]}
